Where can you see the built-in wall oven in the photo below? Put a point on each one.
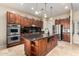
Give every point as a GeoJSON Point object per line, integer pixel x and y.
{"type": "Point", "coordinates": [13, 29]}
{"type": "Point", "coordinates": [13, 33]}
{"type": "Point", "coordinates": [13, 39]}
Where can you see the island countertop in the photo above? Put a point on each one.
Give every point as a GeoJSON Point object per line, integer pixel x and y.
{"type": "Point", "coordinates": [33, 37]}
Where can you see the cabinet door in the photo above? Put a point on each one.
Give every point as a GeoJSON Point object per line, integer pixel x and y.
{"type": "Point", "coordinates": [22, 21]}
{"type": "Point", "coordinates": [27, 46]}
{"type": "Point", "coordinates": [42, 46]}
{"type": "Point", "coordinates": [49, 45]}
{"type": "Point", "coordinates": [41, 24]}
{"type": "Point", "coordinates": [11, 17]}
{"type": "Point", "coordinates": [34, 22]}
{"type": "Point", "coordinates": [34, 48]}
{"type": "Point", "coordinates": [57, 22]}
{"type": "Point", "coordinates": [66, 37]}
{"type": "Point", "coordinates": [17, 19]}
{"type": "Point", "coordinates": [31, 22]}
{"type": "Point", "coordinates": [54, 42]}
{"type": "Point", "coordinates": [25, 22]}
{"type": "Point", "coordinates": [37, 23]}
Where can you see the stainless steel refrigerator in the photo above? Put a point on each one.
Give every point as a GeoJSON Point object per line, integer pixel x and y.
{"type": "Point", "coordinates": [58, 31]}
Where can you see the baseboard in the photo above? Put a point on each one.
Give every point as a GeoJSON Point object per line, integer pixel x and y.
{"type": "Point", "coordinates": [2, 47]}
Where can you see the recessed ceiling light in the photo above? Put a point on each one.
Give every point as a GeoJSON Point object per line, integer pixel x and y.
{"type": "Point", "coordinates": [36, 12]}
{"type": "Point", "coordinates": [32, 8]}
{"type": "Point", "coordinates": [66, 7]}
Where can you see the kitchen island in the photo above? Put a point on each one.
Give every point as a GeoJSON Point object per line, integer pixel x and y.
{"type": "Point", "coordinates": [38, 44]}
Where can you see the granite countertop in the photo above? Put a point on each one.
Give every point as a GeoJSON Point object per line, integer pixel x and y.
{"type": "Point", "coordinates": [33, 37]}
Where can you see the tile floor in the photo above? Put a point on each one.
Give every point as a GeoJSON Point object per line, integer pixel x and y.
{"type": "Point", "coordinates": [62, 49]}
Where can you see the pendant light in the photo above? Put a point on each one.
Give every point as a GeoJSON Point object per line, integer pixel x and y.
{"type": "Point", "coordinates": [51, 11]}
{"type": "Point", "coordinates": [41, 14]}
{"type": "Point", "coordinates": [45, 15]}
{"type": "Point", "coordinates": [36, 12]}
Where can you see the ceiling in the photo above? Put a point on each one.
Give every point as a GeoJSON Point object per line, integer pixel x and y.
{"type": "Point", "coordinates": [58, 8]}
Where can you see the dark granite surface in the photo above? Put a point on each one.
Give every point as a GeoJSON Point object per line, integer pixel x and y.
{"type": "Point", "coordinates": [33, 37]}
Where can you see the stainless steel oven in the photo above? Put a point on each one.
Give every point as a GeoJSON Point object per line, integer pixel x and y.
{"type": "Point", "coordinates": [13, 29]}
{"type": "Point", "coordinates": [13, 39]}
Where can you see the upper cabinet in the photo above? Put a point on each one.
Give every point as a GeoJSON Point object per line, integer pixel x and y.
{"type": "Point", "coordinates": [65, 22]}
{"type": "Point", "coordinates": [17, 19]}
{"type": "Point", "coordinates": [38, 23]}
{"type": "Point", "coordinates": [23, 21]}
{"type": "Point", "coordinates": [11, 17]}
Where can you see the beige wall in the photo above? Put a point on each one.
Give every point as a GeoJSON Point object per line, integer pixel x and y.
{"type": "Point", "coordinates": [3, 11]}
{"type": "Point", "coordinates": [47, 25]}
{"type": "Point", "coordinates": [75, 20]}
{"type": "Point", "coordinates": [2, 28]}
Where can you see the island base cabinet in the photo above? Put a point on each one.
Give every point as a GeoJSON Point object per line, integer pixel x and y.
{"type": "Point", "coordinates": [42, 46]}
{"type": "Point", "coordinates": [27, 47]}
{"type": "Point", "coordinates": [39, 47]}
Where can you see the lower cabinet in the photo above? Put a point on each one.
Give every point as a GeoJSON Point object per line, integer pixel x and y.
{"type": "Point", "coordinates": [42, 46]}
{"type": "Point", "coordinates": [39, 47]}
{"type": "Point", "coordinates": [66, 37]}
{"type": "Point", "coordinates": [27, 47]}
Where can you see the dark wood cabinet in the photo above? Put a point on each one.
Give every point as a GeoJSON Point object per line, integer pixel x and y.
{"type": "Point", "coordinates": [27, 46]}
{"type": "Point", "coordinates": [41, 24]}
{"type": "Point", "coordinates": [23, 21]}
{"type": "Point", "coordinates": [42, 46]}
{"type": "Point", "coordinates": [64, 22]}
{"type": "Point", "coordinates": [17, 19]}
{"type": "Point", "coordinates": [57, 22]}
{"type": "Point", "coordinates": [29, 22]}
{"type": "Point", "coordinates": [37, 23]}
{"type": "Point", "coordinates": [66, 37]}
{"type": "Point", "coordinates": [11, 17]}
{"type": "Point", "coordinates": [39, 47]}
